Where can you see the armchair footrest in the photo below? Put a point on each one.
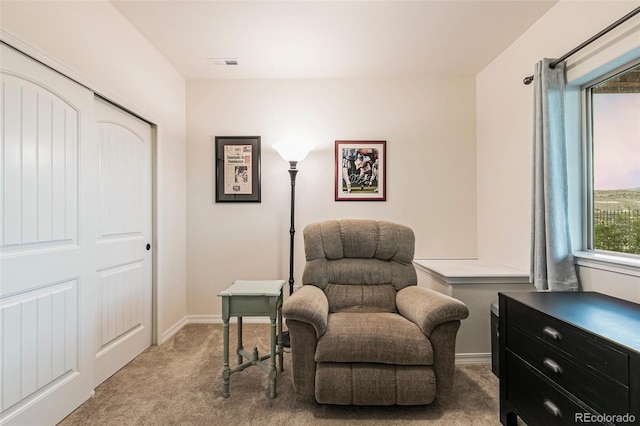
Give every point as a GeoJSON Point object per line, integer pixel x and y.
{"type": "Point", "coordinates": [374, 384]}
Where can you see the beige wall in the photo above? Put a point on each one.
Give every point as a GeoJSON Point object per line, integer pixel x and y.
{"type": "Point", "coordinates": [504, 122]}
{"type": "Point", "coordinates": [93, 43]}
{"type": "Point", "coordinates": [429, 127]}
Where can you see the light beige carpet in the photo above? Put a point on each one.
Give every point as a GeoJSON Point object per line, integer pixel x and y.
{"type": "Point", "coordinates": [179, 383]}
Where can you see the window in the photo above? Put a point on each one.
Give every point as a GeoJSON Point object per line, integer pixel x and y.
{"type": "Point", "coordinates": [613, 112]}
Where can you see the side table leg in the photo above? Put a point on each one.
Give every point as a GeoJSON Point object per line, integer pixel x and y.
{"type": "Point", "coordinates": [226, 371]}
{"type": "Point", "coordinates": [272, 369]}
{"type": "Point", "coordinates": [239, 341]}
{"type": "Point", "coordinates": [280, 349]}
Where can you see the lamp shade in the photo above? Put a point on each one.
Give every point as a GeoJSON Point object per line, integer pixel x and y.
{"type": "Point", "coordinates": [292, 151]}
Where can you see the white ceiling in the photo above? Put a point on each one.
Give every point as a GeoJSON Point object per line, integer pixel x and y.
{"type": "Point", "coordinates": [331, 39]}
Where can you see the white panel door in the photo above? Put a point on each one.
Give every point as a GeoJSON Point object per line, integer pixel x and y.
{"type": "Point", "coordinates": [47, 216]}
{"type": "Point", "coordinates": [123, 241]}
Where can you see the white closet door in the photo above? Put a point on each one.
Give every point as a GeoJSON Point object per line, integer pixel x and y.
{"type": "Point", "coordinates": [123, 241]}
{"type": "Point", "coordinates": [47, 275]}
{"type": "Point", "coordinates": [75, 221]}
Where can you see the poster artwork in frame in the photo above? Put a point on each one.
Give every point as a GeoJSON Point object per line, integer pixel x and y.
{"type": "Point", "coordinates": [360, 170]}
{"type": "Point", "coordinates": [237, 169]}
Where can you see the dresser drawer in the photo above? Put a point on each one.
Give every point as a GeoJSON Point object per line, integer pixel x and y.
{"type": "Point", "coordinates": [538, 402]}
{"type": "Point", "coordinates": [606, 396]}
{"type": "Point", "coordinates": [582, 348]}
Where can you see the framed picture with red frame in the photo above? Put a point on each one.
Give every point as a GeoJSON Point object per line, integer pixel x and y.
{"type": "Point", "coordinates": [360, 170]}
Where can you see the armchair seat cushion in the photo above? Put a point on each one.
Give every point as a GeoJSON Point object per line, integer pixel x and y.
{"type": "Point", "coordinates": [376, 337]}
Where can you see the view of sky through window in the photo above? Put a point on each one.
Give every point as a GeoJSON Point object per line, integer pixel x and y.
{"type": "Point", "coordinates": [616, 141]}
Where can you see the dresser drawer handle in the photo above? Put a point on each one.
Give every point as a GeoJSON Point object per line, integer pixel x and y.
{"type": "Point", "coordinates": [552, 408]}
{"type": "Point", "coordinates": [552, 365]}
{"type": "Point", "coordinates": [552, 333]}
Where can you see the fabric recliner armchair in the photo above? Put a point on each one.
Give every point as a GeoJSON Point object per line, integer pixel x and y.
{"type": "Point", "coordinates": [362, 332]}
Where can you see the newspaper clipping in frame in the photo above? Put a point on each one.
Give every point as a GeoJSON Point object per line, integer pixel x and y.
{"type": "Point", "coordinates": [237, 169]}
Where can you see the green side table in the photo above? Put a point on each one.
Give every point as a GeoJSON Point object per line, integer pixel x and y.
{"type": "Point", "coordinates": [253, 299]}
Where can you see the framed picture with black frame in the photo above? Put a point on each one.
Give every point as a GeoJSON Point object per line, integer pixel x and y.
{"type": "Point", "coordinates": [237, 169]}
{"type": "Point", "coordinates": [360, 171]}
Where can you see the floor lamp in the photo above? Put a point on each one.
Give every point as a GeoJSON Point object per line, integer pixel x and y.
{"type": "Point", "coordinates": [293, 154]}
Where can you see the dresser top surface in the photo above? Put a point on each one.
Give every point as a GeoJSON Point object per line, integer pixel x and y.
{"type": "Point", "coordinates": [612, 319]}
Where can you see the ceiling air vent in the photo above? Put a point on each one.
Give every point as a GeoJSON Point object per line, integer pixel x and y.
{"type": "Point", "coordinates": [223, 61]}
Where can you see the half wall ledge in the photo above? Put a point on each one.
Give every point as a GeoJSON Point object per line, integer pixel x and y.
{"type": "Point", "coordinates": [476, 283]}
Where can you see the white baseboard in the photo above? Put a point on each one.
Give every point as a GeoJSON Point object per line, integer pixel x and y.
{"type": "Point", "coordinates": [204, 319]}
{"type": "Point", "coordinates": [172, 330]}
{"type": "Point", "coordinates": [207, 319]}
{"type": "Point", "coordinates": [480, 358]}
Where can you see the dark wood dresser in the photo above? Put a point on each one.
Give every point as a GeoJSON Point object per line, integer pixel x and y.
{"type": "Point", "coordinates": [569, 358]}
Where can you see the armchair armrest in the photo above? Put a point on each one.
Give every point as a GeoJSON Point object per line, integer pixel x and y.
{"type": "Point", "coordinates": [429, 308]}
{"type": "Point", "coordinates": [308, 304]}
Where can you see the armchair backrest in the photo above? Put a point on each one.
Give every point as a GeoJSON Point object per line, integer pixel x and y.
{"type": "Point", "coordinates": [360, 264]}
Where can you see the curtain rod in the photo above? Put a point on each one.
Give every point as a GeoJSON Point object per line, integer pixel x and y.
{"type": "Point", "coordinates": [528, 80]}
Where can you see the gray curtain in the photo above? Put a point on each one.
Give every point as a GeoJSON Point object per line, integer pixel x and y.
{"type": "Point", "coordinates": [552, 265]}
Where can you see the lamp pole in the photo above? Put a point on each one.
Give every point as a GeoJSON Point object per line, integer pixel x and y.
{"type": "Point", "coordinates": [293, 154]}
{"type": "Point", "coordinates": [293, 171]}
